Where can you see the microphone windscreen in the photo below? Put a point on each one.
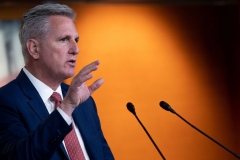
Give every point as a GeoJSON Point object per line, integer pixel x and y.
{"type": "Point", "coordinates": [131, 108]}
{"type": "Point", "coordinates": [165, 105]}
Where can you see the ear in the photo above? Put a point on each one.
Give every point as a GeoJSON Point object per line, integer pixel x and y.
{"type": "Point", "coordinates": [33, 48]}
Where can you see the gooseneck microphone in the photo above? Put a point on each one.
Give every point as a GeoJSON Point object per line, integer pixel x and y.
{"type": "Point", "coordinates": [167, 107]}
{"type": "Point", "coordinates": [131, 108]}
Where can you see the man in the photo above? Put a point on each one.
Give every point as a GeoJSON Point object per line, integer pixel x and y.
{"type": "Point", "coordinates": [30, 126]}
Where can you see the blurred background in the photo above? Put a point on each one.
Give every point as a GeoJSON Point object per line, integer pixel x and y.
{"type": "Point", "coordinates": [185, 52]}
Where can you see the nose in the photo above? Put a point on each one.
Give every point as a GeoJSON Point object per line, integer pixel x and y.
{"type": "Point", "coordinates": [74, 48]}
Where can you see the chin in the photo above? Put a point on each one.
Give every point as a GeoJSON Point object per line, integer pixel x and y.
{"type": "Point", "coordinates": [69, 75]}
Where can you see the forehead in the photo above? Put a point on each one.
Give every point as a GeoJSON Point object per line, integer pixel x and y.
{"type": "Point", "coordinates": [62, 25]}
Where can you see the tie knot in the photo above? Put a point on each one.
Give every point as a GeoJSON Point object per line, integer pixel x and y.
{"type": "Point", "coordinates": [56, 97]}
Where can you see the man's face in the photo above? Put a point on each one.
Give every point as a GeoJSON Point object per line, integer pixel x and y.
{"type": "Point", "coordinates": [59, 48]}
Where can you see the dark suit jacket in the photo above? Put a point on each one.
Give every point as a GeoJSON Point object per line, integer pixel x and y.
{"type": "Point", "coordinates": [29, 132]}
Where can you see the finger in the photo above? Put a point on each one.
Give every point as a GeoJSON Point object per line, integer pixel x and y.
{"type": "Point", "coordinates": [95, 85]}
{"type": "Point", "coordinates": [77, 80]}
{"type": "Point", "coordinates": [84, 75]}
{"type": "Point", "coordinates": [89, 68]}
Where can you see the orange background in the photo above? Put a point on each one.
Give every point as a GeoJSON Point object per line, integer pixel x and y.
{"type": "Point", "coordinates": [187, 56]}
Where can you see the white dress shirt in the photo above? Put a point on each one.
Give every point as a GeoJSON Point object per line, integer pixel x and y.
{"type": "Point", "coordinates": [45, 93]}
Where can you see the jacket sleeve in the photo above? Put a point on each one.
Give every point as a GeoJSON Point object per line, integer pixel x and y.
{"type": "Point", "coordinates": [17, 143]}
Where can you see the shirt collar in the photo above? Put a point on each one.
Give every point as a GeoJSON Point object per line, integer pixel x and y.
{"type": "Point", "coordinates": [44, 91]}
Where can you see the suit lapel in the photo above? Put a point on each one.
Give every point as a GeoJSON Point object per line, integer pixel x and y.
{"type": "Point", "coordinates": [83, 118]}
{"type": "Point", "coordinates": [80, 118]}
{"type": "Point", "coordinates": [35, 101]}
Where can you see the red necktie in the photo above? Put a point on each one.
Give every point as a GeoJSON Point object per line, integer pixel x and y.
{"type": "Point", "coordinates": [71, 141]}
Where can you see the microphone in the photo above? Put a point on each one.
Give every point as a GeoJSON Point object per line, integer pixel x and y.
{"type": "Point", "coordinates": [131, 108]}
{"type": "Point", "coordinates": [167, 107]}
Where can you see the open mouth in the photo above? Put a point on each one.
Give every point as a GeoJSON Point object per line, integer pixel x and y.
{"type": "Point", "coordinates": [72, 61]}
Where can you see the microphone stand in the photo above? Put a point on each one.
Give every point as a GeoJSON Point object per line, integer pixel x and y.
{"type": "Point", "coordinates": [132, 110]}
{"type": "Point", "coordinates": [150, 138]}
{"type": "Point", "coordinates": [208, 136]}
{"type": "Point", "coordinates": [167, 107]}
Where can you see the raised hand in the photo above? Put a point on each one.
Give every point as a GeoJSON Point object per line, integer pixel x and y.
{"type": "Point", "coordinates": [78, 91]}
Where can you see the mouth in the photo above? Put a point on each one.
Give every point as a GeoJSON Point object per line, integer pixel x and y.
{"type": "Point", "coordinates": [72, 62]}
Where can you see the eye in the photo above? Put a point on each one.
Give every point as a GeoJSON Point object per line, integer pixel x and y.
{"type": "Point", "coordinates": [77, 39]}
{"type": "Point", "coordinates": [63, 39]}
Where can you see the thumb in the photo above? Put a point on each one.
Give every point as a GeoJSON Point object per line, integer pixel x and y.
{"type": "Point", "coordinates": [95, 85]}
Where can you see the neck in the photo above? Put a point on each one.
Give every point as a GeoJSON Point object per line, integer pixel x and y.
{"type": "Point", "coordinates": [47, 79]}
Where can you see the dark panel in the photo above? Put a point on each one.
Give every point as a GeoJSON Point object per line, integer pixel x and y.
{"type": "Point", "coordinates": [176, 2]}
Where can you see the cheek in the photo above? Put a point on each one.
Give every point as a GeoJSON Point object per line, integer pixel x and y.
{"type": "Point", "coordinates": [54, 55]}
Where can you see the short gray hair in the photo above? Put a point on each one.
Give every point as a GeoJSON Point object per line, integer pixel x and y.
{"type": "Point", "coordinates": [35, 22]}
